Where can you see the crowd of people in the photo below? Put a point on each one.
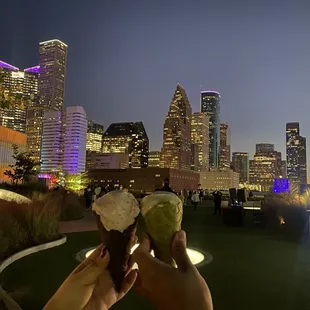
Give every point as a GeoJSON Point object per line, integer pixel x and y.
{"type": "Point", "coordinates": [188, 197]}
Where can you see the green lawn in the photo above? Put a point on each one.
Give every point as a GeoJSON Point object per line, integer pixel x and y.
{"type": "Point", "coordinates": [252, 269]}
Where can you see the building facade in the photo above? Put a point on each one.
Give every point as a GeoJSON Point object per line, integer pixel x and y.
{"type": "Point", "coordinates": [219, 179]}
{"type": "Point", "coordinates": [95, 160]}
{"type": "Point", "coordinates": [240, 164]}
{"type": "Point", "coordinates": [52, 142]}
{"type": "Point", "coordinates": [8, 137]}
{"type": "Point", "coordinates": [154, 159]}
{"type": "Point", "coordinates": [34, 130]}
{"type": "Point", "coordinates": [129, 138]}
{"type": "Point", "coordinates": [18, 91]}
{"type": "Point", "coordinates": [224, 153]}
{"type": "Point", "coordinates": [200, 137]}
{"type": "Point", "coordinates": [176, 149]}
{"type": "Point", "coordinates": [64, 141]}
{"type": "Point", "coordinates": [148, 179]}
{"type": "Point", "coordinates": [53, 62]}
{"type": "Point", "coordinates": [265, 167]}
{"type": "Point", "coordinates": [210, 106]}
{"type": "Point", "coordinates": [296, 152]}
{"type": "Point", "coordinates": [94, 137]}
{"type": "Point", "coordinates": [75, 133]}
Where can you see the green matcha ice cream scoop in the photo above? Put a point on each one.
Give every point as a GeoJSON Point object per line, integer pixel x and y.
{"type": "Point", "coordinates": [162, 212]}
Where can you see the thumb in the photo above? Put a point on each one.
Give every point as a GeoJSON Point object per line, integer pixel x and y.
{"type": "Point", "coordinates": [179, 252]}
{"type": "Point", "coordinates": [95, 268]}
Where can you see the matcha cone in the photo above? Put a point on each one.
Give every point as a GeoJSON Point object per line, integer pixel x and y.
{"type": "Point", "coordinates": [116, 217]}
{"type": "Point", "coordinates": [162, 212]}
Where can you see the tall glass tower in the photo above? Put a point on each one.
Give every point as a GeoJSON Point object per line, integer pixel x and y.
{"type": "Point", "coordinates": [210, 106]}
{"type": "Point", "coordinates": [52, 61]}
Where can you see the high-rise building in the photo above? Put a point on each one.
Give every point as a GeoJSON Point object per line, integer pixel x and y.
{"type": "Point", "coordinates": [34, 130]}
{"type": "Point", "coordinates": [52, 61]}
{"type": "Point", "coordinates": [176, 149]}
{"type": "Point", "coordinates": [296, 158]}
{"type": "Point", "coordinates": [18, 91]}
{"type": "Point", "coordinates": [283, 169]}
{"type": "Point", "coordinates": [154, 159]}
{"type": "Point", "coordinates": [94, 137]}
{"type": "Point", "coordinates": [52, 142]}
{"type": "Point", "coordinates": [200, 137]}
{"type": "Point", "coordinates": [240, 164]}
{"type": "Point", "coordinates": [216, 179]}
{"type": "Point", "coordinates": [75, 132]}
{"type": "Point", "coordinates": [264, 148]}
{"type": "Point", "coordinates": [8, 137]}
{"type": "Point", "coordinates": [224, 155]}
{"type": "Point", "coordinates": [129, 138]}
{"type": "Point", "coordinates": [194, 157]}
{"type": "Point", "coordinates": [64, 140]}
{"type": "Point", "coordinates": [265, 167]}
{"type": "Point", "coordinates": [210, 106]}
{"type": "Point", "coordinates": [95, 160]}
{"type": "Point", "coordinates": [303, 161]}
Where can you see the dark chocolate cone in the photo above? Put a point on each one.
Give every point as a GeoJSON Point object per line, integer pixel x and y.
{"type": "Point", "coordinates": [119, 246]}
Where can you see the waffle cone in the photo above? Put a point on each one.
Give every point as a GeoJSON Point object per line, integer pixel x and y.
{"type": "Point", "coordinates": [119, 245]}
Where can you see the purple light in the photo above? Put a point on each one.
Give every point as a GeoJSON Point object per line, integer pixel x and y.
{"type": "Point", "coordinates": [35, 69]}
{"type": "Point", "coordinates": [210, 91]}
{"type": "Point", "coordinates": [281, 186]}
{"type": "Point", "coordinates": [44, 176]}
{"type": "Point", "coordinates": [7, 66]}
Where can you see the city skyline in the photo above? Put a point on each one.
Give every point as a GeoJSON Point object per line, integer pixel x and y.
{"type": "Point", "coordinates": [240, 68]}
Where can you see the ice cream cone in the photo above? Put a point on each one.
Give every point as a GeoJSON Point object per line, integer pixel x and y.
{"type": "Point", "coordinates": [162, 212]}
{"type": "Point", "coordinates": [117, 220]}
{"type": "Point", "coordinates": [119, 245]}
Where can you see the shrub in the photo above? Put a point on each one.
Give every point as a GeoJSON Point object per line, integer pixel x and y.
{"type": "Point", "coordinates": [286, 212]}
{"type": "Point", "coordinates": [26, 225]}
{"type": "Point", "coordinates": [27, 189]}
{"type": "Point", "coordinates": [68, 203]}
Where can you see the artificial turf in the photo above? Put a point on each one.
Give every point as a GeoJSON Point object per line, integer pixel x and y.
{"type": "Point", "coordinates": [252, 268]}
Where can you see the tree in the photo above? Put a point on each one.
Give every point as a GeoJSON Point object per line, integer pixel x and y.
{"type": "Point", "coordinates": [24, 167]}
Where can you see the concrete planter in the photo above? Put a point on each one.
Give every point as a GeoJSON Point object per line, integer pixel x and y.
{"type": "Point", "coordinates": [10, 303]}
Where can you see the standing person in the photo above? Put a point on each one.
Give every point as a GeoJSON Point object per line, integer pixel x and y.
{"type": "Point", "coordinates": [166, 187]}
{"type": "Point", "coordinates": [97, 191]}
{"type": "Point", "coordinates": [88, 197]}
{"type": "Point", "coordinates": [185, 196]}
{"type": "Point", "coordinates": [217, 199]}
{"type": "Point", "coordinates": [201, 196]}
{"type": "Point", "coordinates": [195, 199]}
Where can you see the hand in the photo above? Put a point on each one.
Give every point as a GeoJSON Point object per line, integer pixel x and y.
{"type": "Point", "coordinates": [90, 286]}
{"type": "Point", "coordinates": [167, 287]}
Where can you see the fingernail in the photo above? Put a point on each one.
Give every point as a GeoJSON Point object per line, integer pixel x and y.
{"type": "Point", "coordinates": [103, 252]}
{"type": "Point", "coordinates": [181, 236]}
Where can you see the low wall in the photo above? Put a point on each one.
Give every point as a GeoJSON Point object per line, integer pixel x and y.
{"type": "Point", "coordinates": [10, 303]}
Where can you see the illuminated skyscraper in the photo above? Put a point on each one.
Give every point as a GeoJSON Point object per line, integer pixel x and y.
{"type": "Point", "coordinates": [265, 167]}
{"type": "Point", "coordinates": [176, 149]}
{"type": "Point", "coordinates": [200, 137]}
{"type": "Point", "coordinates": [52, 61]}
{"type": "Point", "coordinates": [75, 132]}
{"type": "Point", "coordinates": [240, 163]}
{"type": "Point", "coordinates": [296, 158]}
{"type": "Point", "coordinates": [210, 106]}
{"type": "Point", "coordinates": [129, 138]}
{"type": "Point", "coordinates": [224, 155]}
{"type": "Point", "coordinates": [34, 130]}
{"type": "Point", "coordinates": [52, 142]}
{"type": "Point", "coordinates": [94, 137]}
{"type": "Point", "coordinates": [154, 159]}
{"type": "Point", "coordinates": [64, 140]}
{"type": "Point", "coordinates": [19, 90]}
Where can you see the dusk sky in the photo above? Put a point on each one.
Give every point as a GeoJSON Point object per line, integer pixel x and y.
{"type": "Point", "coordinates": [126, 57]}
